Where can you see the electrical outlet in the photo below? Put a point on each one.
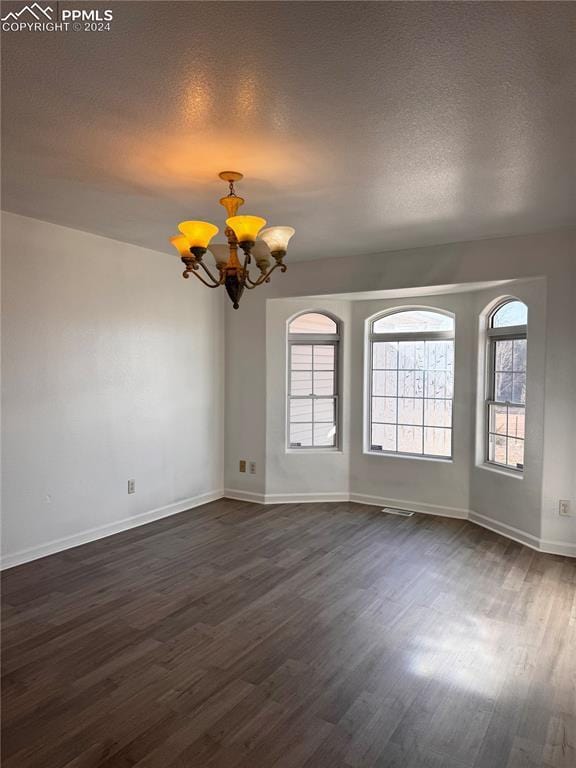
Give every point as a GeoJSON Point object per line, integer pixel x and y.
{"type": "Point", "coordinates": [131, 486]}
{"type": "Point", "coordinates": [252, 467]}
{"type": "Point", "coordinates": [564, 508]}
{"type": "Point", "coordinates": [242, 465]}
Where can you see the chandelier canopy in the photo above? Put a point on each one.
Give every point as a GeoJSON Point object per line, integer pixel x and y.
{"type": "Point", "coordinates": [258, 244]}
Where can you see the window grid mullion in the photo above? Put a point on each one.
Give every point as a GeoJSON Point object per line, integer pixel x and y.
{"type": "Point", "coordinates": [513, 334]}
{"type": "Point", "coordinates": [313, 347]}
{"type": "Point", "coordinates": [423, 392]}
{"type": "Point", "coordinates": [331, 342]}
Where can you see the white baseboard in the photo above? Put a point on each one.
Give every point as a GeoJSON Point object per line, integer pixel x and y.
{"type": "Point", "coordinates": [552, 547]}
{"type": "Point", "coordinates": [286, 498]}
{"type": "Point", "coordinates": [540, 545]}
{"type": "Point", "coordinates": [516, 534]}
{"type": "Point", "coordinates": [100, 532]}
{"type": "Point", "coordinates": [67, 542]}
{"type": "Point", "coordinates": [256, 498]}
{"type": "Point", "coordinates": [306, 498]}
{"type": "Point", "coordinates": [414, 506]}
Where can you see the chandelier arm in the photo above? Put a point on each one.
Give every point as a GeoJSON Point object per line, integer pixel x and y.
{"type": "Point", "coordinates": [209, 285]}
{"type": "Point", "coordinates": [252, 283]}
{"type": "Point", "coordinates": [264, 278]}
{"type": "Point", "coordinates": [216, 281]}
{"type": "Point", "coordinates": [248, 283]}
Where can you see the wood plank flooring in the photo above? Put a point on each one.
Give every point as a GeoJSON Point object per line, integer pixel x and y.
{"type": "Point", "coordinates": [297, 636]}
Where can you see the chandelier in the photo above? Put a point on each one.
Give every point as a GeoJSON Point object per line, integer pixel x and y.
{"type": "Point", "coordinates": [260, 245]}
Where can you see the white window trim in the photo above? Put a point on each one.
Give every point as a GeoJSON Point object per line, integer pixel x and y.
{"type": "Point", "coordinates": [333, 339]}
{"type": "Point", "coordinates": [503, 333]}
{"type": "Point", "coordinates": [372, 337]}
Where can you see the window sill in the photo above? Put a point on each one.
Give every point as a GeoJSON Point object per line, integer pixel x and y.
{"type": "Point", "coordinates": [517, 474]}
{"type": "Point", "coordinates": [433, 459]}
{"type": "Point", "coordinates": [314, 451]}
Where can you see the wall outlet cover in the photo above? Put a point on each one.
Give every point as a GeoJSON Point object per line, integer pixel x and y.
{"type": "Point", "coordinates": [242, 465]}
{"type": "Point", "coordinates": [131, 486]}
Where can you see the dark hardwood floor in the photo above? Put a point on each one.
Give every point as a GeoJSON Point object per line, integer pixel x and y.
{"type": "Point", "coordinates": [295, 636]}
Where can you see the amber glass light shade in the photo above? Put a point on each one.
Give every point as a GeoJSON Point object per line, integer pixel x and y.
{"type": "Point", "coordinates": [277, 238]}
{"type": "Point", "coordinates": [232, 203]}
{"type": "Point", "coordinates": [181, 244]}
{"type": "Point", "coordinates": [198, 233]}
{"type": "Point", "coordinates": [246, 228]}
{"type": "Point", "coordinates": [221, 253]}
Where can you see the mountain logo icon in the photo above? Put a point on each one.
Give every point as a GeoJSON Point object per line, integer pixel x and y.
{"type": "Point", "coordinates": [35, 10]}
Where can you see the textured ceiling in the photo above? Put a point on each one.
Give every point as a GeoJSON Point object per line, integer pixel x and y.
{"type": "Point", "coordinates": [367, 126]}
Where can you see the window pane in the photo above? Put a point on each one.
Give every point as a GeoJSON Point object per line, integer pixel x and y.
{"type": "Point", "coordinates": [324, 411]}
{"type": "Point", "coordinates": [410, 439]}
{"type": "Point", "coordinates": [515, 453]}
{"type": "Point", "coordinates": [383, 437]}
{"type": "Point", "coordinates": [511, 313]}
{"type": "Point", "coordinates": [312, 415]}
{"type": "Point", "coordinates": [300, 410]}
{"type": "Point", "coordinates": [323, 357]}
{"type": "Point", "coordinates": [507, 446]}
{"type": "Point", "coordinates": [503, 356]}
{"type": "Point", "coordinates": [438, 442]}
{"type": "Point", "coordinates": [439, 384]}
{"type": "Point", "coordinates": [411, 321]}
{"type": "Point", "coordinates": [519, 354]}
{"type": "Point", "coordinates": [425, 368]}
{"type": "Point", "coordinates": [324, 434]}
{"type": "Point", "coordinates": [411, 383]}
{"type": "Point", "coordinates": [516, 422]}
{"type": "Point", "coordinates": [301, 359]}
{"type": "Point", "coordinates": [313, 322]}
{"type": "Point", "coordinates": [385, 383]}
{"type": "Point", "coordinates": [497, 449]}
{"type": "Point", "coordinates": [411, 355]}
{"type": "Point", "coordinates": [503, 390]}
{"type": "Point", "coordinates": [300, 383]}
{"type": "Point", "coordinates": [439, 355]}
{"type": "Point", "coordinates": [385, 354]}
{"type": "Point", "coordinates": [323, 382]}
{"type": "Point", "coordinates": [498, 419]}
{"type": "Point", "coordinates": [410, 411]}
{"type": "Point", "coordinates": [301, 435]}
{"type": "Point", "coordinates": [518, 388]}
{"type": "Point", "coordinates": [384, 409]}
{"type": "Point", "coordinates": [438, 413]}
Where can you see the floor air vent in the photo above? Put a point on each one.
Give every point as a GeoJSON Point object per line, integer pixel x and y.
{"type": "Point", "coordinates": [399, 512]}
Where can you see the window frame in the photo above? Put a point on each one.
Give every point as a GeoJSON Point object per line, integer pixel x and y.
{"type": "Point", "coordinates": [312, 339]}
{"type": "Point", "coordinates": [372, 337]}
{"type": "Point", "coordinates": [502, 333]}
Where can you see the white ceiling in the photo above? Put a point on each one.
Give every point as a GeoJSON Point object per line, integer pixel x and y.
{"type": "Point", "coordinates": [367, 126]}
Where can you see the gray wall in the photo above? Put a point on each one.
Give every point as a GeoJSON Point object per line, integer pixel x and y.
{"type": "Point", "coordinates": [551, 256]}
{"type": "Point", "coordinates": [113, 369]}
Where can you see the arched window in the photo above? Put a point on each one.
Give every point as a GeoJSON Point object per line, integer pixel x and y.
{"type": "Point", "coordinates": [411, 383]}
{"type": "Point", "coordinates": [313, 382]}
{"type": "Point", "coordinates": [506, 385]}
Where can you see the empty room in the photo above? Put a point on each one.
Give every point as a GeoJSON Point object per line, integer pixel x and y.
{"type": "Point", "coordinates": [288, 384]}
